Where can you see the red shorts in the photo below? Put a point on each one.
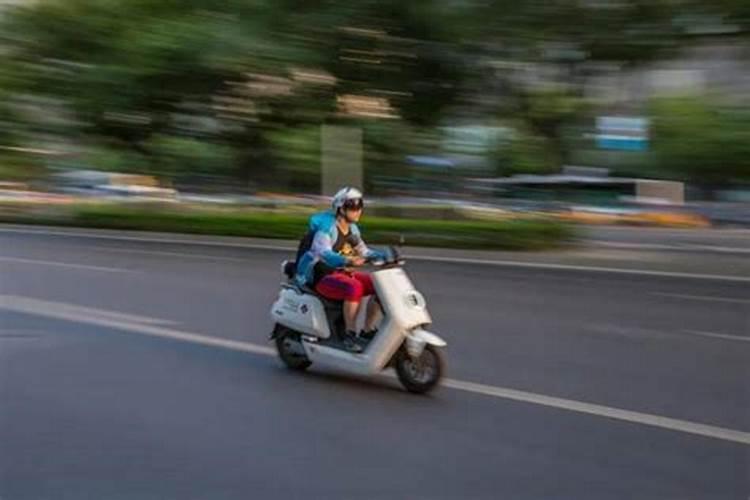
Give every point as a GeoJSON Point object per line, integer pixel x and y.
{"type": "Point", "coordinates": [345, 286]}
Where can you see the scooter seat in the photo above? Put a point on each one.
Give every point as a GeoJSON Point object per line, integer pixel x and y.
{"type": "Point", "coordinates": [289, 268]}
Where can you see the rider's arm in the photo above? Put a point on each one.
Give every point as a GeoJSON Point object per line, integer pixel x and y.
{"type": "Point", "coordinates": [322, 246]}
{"type": "Point", "coordinates": [362, 249]}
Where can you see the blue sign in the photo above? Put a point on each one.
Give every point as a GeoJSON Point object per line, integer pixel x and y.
{"type": "Point", "coordinates": [622, 133]}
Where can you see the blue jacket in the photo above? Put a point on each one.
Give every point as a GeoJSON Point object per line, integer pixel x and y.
{"type": "Point", "coordinates": [326, 231]}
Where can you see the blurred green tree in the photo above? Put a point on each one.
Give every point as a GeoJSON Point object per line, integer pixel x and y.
{"type": "Point", "coordinates": [256, 76]}
{"type": "Point", "coordinates": [526, 153]}
{"type": "Point", "coordinates": [298, 151]}
{"type": "Point", "coordinates": [698, 140]}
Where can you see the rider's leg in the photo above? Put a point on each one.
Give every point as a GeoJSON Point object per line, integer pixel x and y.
{"type": "Point", "coordinates": [341, 286]}
{"type": "Point", "coordinates": [373, 314]}
{"type": "Point", "coordinates": [351, 312]}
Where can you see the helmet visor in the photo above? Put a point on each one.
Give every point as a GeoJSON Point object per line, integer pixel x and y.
{"type": "Point", "coordinates": [354, 204]}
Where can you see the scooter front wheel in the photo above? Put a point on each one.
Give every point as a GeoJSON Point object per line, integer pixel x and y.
{"type": "Point", "coordinates": [420, 375]}
{"type": "Point", "coordinates": [291, 352]}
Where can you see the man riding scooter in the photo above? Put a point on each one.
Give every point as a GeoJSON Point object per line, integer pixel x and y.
{"type": "Point", "coordinates": [309, 331]}
{"type": "Point", "coordinates": [325, 258]}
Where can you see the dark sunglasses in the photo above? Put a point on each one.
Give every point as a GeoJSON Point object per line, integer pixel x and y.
{"type": "Point", "coordinates": [354, 204]}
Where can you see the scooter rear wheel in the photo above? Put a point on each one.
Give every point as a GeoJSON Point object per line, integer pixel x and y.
{"type": "Point", "coordinates": [420, 375]}
{"type": "Point", "coordinates": [288, 354]}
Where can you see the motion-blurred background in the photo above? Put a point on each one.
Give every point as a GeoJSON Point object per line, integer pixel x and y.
{"type": "Point", "coordinates": [574, 107]}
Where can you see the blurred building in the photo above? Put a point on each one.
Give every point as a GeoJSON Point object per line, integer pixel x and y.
{"type": "Point", "coordinates": [720, 66]}
{"type": "Point", "coordinates": [99, 183]}
{"type": "Point", "coordinates": [582, 185]}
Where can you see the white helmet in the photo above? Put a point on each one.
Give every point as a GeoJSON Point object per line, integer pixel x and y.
{"type": "Point", "coordinates": [346, 196]}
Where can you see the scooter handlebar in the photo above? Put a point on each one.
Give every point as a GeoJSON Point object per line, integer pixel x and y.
{"type": "Point", "coordinates": [390, 259]}
{"type": "Point", "coordinates": [392, 263]}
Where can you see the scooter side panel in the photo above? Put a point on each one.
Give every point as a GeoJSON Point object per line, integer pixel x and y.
{"type": "Point", "coordinates": [337, 358]}
{"type": "Point", "coordinates": [301, 312]}
{"type": "Point", "coordinates": [371, 361]}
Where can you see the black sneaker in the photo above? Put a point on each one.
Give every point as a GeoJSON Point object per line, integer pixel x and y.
{"type": "Point", "coordinates": [368, 335]}
{"type": "Point", "coordinates": [349, 340]}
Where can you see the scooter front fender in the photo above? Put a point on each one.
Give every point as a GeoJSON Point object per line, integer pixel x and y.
{"type": "Point", "coordinates": [418, 338]}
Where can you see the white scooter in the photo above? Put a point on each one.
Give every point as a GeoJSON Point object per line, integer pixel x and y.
{"type": "Point", "coordinates": [308, 329]}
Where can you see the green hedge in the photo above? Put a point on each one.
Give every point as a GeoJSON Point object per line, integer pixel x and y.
{"type": "Point", "coordinates": [516, 234]}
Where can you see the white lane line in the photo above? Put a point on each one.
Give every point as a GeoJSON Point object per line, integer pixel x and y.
{"type": "Point", "coordinates": [707, 298]}
{"type": "Point", "coordinates": [673, 424]}
{"type": "Point", "coordinates": [570, 267]}
{"type": "Point", "coordinates": [680, 247]}
{"type": "Point", "coordinates": [713, 335]}
{"type": "Point", "coordinates": [146, 239]}
{"type": "Point", "coordinates": [680, 334]}
{"type": "Point", "coordinates": [70, 265]}
{"type": "Point", "coordinates": [31, 304]}
{"type": "Point", "coordinates": [719, 249]}
{"type": "Point", "coordinates": [168, 254]}
{"type": "Point", "coordinates": [109, 319]}
{"type": "Point", "coordinates": [633, 246]}
{"type": "Point", "coordinates": [417, 257]}
{"type": "Point", "coordinates": [62, 311]}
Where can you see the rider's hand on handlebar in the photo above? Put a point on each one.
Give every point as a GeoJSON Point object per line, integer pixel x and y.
{"type": "Point", "coordinates": [356, 261]}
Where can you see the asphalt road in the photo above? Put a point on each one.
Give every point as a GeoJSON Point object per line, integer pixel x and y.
{"type": "Point", "coordinates": [697, 240]}
{"type": "Point", "coordinates": [136, 370]}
